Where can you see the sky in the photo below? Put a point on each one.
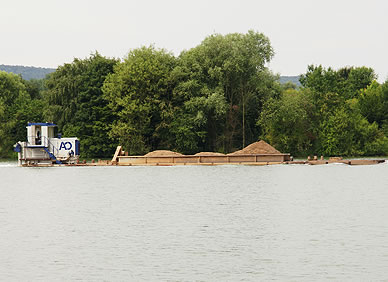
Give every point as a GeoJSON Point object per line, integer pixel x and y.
{"type": "Point", "coordinates": [49, 33]}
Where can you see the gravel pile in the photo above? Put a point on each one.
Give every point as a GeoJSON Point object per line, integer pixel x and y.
{"type": "Point", "coordinates": [260, 147]}
{"type": "Point", "coordinates": [162, 153]}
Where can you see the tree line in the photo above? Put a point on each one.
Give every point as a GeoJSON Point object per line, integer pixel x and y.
{"type": "Point", "coordinates": [218, 96]}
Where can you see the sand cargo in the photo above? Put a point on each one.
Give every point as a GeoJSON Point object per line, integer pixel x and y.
{"type": "Point", "coordinates": [258, 153]}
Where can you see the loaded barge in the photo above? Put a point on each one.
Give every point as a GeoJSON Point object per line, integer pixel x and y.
{"type": "Point", "coordinates": [168, 158]}
{"type": "Point", "coordinates": [45, 147]}
{"type": "Point", "coordinates": [205, 158]}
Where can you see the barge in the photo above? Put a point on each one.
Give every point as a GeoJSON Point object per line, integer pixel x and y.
{"type": "Point", "coordinates": [44, 147]}
{"type": "Point", "coordinates": [121, 158]}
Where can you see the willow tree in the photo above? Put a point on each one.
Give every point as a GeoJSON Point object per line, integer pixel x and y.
{"type": "Point", "coordinates": [76, 103]}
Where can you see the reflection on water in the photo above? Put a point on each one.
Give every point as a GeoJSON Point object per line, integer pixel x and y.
{"type": "Point", "coordinates": [221, 223]}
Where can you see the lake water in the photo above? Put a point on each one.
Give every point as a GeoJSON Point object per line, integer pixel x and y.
{"type": "Point", "coordinates": [194, 223]}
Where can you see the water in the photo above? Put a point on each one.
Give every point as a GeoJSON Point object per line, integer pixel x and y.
{"type": "Point", "coordinates": [195, 223]}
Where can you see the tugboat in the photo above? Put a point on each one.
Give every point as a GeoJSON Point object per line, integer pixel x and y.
{"type": "Point", "coordinates": [43, 148]}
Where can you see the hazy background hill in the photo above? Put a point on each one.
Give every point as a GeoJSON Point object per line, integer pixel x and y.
{"type": "Point", "coordinates": [29, 73]}
{"type": "Point", "coordinates": [293, 79]}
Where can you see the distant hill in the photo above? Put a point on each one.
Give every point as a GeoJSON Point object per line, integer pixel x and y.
{"type": "Point", "coordinates": [293, 79]}
{"type": "Point", "coordinates": [27, 73]}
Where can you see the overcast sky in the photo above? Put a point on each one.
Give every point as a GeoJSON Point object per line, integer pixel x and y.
{"type": "Point", "coordinates": [335, 33]}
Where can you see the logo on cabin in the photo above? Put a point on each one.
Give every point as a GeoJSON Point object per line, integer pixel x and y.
{"type": "Point", "coordinates": [65, 146]}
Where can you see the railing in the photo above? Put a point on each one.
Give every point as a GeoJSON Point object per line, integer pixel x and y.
{"type": "Point", "coordinates": [50, 146]}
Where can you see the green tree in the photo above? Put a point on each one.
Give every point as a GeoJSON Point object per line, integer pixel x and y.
{"type": "Point", "coordinates": [16, 110]}
{"type": "Point", "coordinates": [140, 92]}
{"type": "Point", "coordinates": [346, 81]}
{"type": "Point", "coordinates": [287, 122]}
{"type": "Point", "coordinates": [347, 132]}
{"type": "Point", "coordinates": [35, 88]}
{"type": "Point", "coordinates": [77, 105]}
{"type": "Point", "coordinates": [358, 79]}
{"type": "Point", "coordinates": [334, 113]}
{"type": "Point", "coordinates": [372, 103]}
{"type": "Point", "coordinates": [229, 70]}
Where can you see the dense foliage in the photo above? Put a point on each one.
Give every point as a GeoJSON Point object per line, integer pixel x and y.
{"type": "Point", "coordinates": [76, 104]}
{"type": "Point", "coordinates": [19, 103]}
{"type": "Point", "coordinates": [140, 94]}
{"type": "Point", "coordinates": [217, 96]}
{"type": "Point", "coordinates": [340, 112]}
{"type": "Point", "coordinates": [223, 83]}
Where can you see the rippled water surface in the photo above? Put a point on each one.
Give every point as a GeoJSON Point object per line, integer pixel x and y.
{"type": "Point", "coordinates": [195, 223]}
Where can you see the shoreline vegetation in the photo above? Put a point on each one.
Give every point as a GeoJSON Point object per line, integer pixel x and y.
{"type": "Point", "coordinates": [218, 96]}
